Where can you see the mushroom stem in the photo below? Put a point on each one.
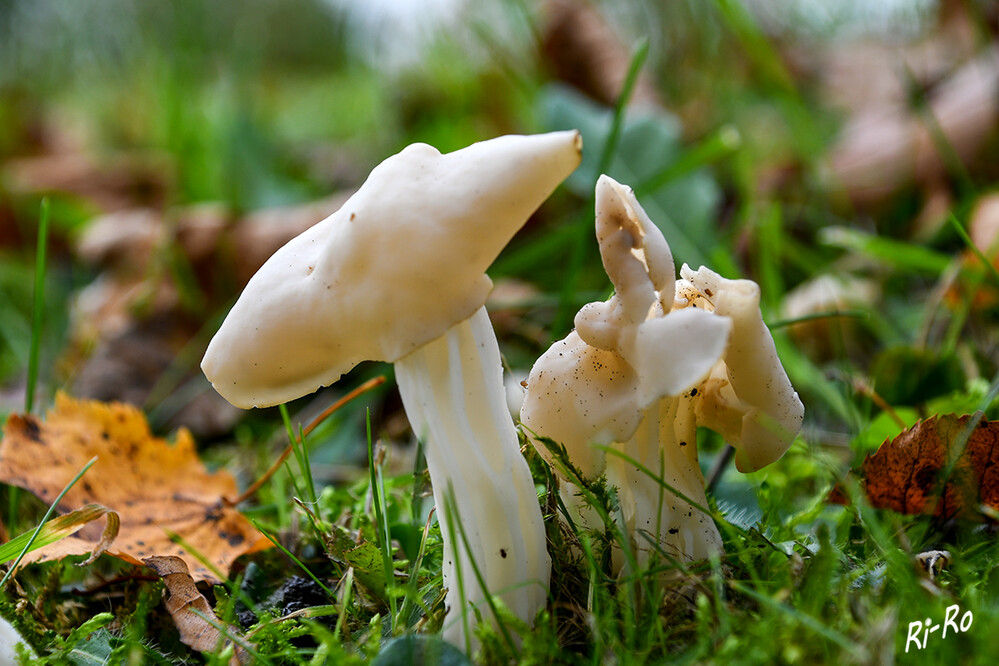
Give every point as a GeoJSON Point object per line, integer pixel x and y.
{"type": "Point", "coordinates": [665, 443]}
{"type": "Point", "coordinates": [452, 389]}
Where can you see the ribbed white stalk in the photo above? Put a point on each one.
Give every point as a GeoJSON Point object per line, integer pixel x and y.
{"type": "Point", "coordinates": [668, 434]}
{"type": "Point", "coordinates": [452, 389]}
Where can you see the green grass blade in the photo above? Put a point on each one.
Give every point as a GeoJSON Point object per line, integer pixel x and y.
{"type": "Point", "coordinates": [990, 268]}
{"type": "Point", "coordinates": [292, 557]}
{"type": "Point", "coordinates": [38, 306]}
{"type": "Point", "coordinates": [52, 531]}
{"type": "Point", "coordinates": [720, 144]}
{"type": "Point", "coordinates": [756, 45]}
{"type": "Point", "coordinates": [886, 250]}
{"type": "Point", "coordinates": [638, 55]}
{"type": "Point", "coordinates": [581, 227]}
{"type": "Point", "coordinates": [301, 454]}
{"type": "Point", "coordinates": [48, 514]}
{"type": "Point", "coordinates": [454, 520]}
{"type": "Point", "coordinates": [798, 616]}
{"type": "Point", "coordinates": [381, 520]}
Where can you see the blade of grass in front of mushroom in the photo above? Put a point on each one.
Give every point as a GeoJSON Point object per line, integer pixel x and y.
{"type": "Point", "coordinates": [454, 520]}
{"type": "Point", "coordinates": [464, 609]}
{"type": "Point", "coordinates": [714, 515]}
{"type": "Point", "coordinates": [600, 498]}
{"type": "Point", "coordinates": [377, 490]}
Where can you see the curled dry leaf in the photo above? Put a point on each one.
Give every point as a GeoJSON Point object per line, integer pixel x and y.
{"type": "Point", "coordinates": [155, 488]}
{"type": "Point", "coordinates": [197, 623]}
{"type": "Point", "coordinates": [905, 473]}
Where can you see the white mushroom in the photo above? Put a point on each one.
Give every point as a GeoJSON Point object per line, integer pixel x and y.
{"type": "Point", "coordinates": [643, 369]}
{"type": "Point", "coordinates": [10, 639]}
{"type": "Point", "coordinates": [398, 274]}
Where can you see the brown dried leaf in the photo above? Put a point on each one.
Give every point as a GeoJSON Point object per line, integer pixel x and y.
{"type": "Point", "coordinates": [983, 227]}
{"type": "Point", "coordinates": [113, 182]}
{"type": "Point", "coordinates": [196, 621]}
{"type": "Point", "coordinates": [156, 488]}
{"type": "Point", "coordinates": [904, 474]}
{"type": "Point", "coordinates": [882, 150]}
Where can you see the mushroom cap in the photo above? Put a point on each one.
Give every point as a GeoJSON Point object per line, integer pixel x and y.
{"type": "Point", "coordinates": [401, 262]}
{"type": "Point", "coordinates": [594, 386]}
{"type": "Point", "coordinates": [748, 398]}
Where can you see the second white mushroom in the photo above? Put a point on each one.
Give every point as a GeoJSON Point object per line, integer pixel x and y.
{"type": "Point", "coordinates": [643, 369]}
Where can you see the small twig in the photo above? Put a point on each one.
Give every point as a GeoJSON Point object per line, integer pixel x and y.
{"type": "Point", "coordinates": [862, 387]}
{"type": "Point", "coordinates": [255, 486]}
{"type": "Point", "coordinates": [363, 388]}
{"type": "Point", "coordinates": [249, 492]}
{"type": "Point", "coordinates": [718, 467]}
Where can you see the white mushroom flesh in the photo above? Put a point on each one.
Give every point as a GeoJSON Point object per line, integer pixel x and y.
{"type": "Point", "coordinates": [402, 261]}
{"type": "Point", "coordinates": [673, 354]}
{"type": "Point", "coordinates": [448, 388]}
{"type": "Point", "coordinates": [398, 274]}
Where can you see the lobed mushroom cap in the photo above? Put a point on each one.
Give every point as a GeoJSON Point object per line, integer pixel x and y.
{"type": "Point", "coordinates": [401, 262]}
{"type": "Point", "coordinates": [594, 386]}
{"type": "Point", "coordinates": [748, 397]}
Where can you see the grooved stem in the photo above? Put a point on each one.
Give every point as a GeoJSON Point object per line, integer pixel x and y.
{"type": "Point", "coordinates": [452, 389]}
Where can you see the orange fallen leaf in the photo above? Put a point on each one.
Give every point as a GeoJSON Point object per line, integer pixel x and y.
{"type": "Point", "coordinates": [904, 474]}
{"type": "Point", "coordinates": [197, 623]}
{"type": "Point", "coordinates": [156, 488]}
